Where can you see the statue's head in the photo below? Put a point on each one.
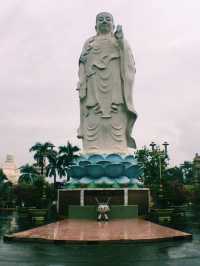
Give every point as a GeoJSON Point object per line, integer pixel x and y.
{"type": "Point", "coordinates": [104, 23]}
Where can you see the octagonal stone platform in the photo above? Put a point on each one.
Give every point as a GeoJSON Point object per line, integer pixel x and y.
{"type": "Point", "coordinates": [74, 231]}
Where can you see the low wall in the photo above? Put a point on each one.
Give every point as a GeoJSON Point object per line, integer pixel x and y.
{"type": "Point", "coordinates": [90, 212]}
{"type": "Point", "coordinates": [86, 197]}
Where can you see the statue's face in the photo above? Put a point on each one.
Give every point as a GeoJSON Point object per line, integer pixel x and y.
{"type": "Point", "coordinates": [104, 23]}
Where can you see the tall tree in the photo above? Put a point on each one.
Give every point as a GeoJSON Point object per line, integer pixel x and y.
{"type": "Point", "coordinates": [68, 154]}
{"type": "Point", "coordinates": [6, 186]}
{"type": "Point", "coordinates": [173, 188]}
{"type": "Point", "coordinates": [41, 153]}
{"type": "Point", "coordinates": [154, 163]}
{"type": "Point", "coordinates": [28, 174]}
{"type": "Point", "coordinates": [3, 177]}
{"type": "Point", "coordinates": [55, 167]}
{"type": "Point", "coordinates": [187, 171]}
{"type": "Point", "coordinates": [174, 174]}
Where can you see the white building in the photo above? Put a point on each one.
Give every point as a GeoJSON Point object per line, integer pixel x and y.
{"type": "Point", "coordinates": [10, 169]}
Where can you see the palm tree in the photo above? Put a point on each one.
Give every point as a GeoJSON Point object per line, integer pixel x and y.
{"type": "Point", "coordinates": [3, 177]}
{"type": "Point", "coordinates": [28, 174]}
{"type": "Point", "coordinates": [55, 167]}
{"type": "Point", "coordinates": [42, 151]}
{"type": "Point", "coordinates": [5, 190]}
{"type": "Point", "coordinates": [68, 154]}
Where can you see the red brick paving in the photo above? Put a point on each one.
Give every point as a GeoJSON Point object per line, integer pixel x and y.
{"type": "Point", "coordinates": [70, 230]}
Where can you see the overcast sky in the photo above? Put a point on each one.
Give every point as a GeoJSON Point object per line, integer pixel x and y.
{"type": "Point", "coordinates": [40, 43]}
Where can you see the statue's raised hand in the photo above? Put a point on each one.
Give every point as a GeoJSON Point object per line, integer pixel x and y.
{"type": "Point", "coordinates": [119, 35]}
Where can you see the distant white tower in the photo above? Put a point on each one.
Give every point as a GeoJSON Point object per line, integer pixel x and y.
{"type": "Point", "coordinates": [10, 169]}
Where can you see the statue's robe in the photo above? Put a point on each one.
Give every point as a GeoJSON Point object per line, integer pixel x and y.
{"type": "Point", "coordinates": [106, 77]}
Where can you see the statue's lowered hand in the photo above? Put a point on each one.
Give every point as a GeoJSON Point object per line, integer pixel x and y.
{"type": "Point", "coordinates": [83, 58]}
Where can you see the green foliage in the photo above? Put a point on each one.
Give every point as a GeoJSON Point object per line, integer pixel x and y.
{"type": "Point", "coordinates": [174, 174]}
{"type": "Point", "coordinates": [52, 162]}
{"type": "Point", "coordinates": [55, 167]}
{"type": "Point", "coordinates": [166, 184]}
{"type": "Point", "coordinates": [60, 161]}
{"type": "Point", "coordinates": [28, 174]}
{"type": "Point", "coordinates": [6, 194]}
{"type": "Point", "coordinates": [187, 170]}
{"type": "Point", "coordinates": [32, 190]}
{"type": "Point", "coordinates": [6, 191]}
{"type": "Point", "coordinates": [50, 192]}
{"type": "Point", "coordinates": [27, 195]}
{"type": "Point", "coordinates": [194, 193]}
{"type": "Point", "coordinates": [174, 182]}
{"type": "Point", "coordinates": [174, 192]}
{"type": "Point", "coordinates": [68, 154]}
{"type": "Point", "coordinates": [3, 177]}
{"type": "Point", "coordinates": [31, 187]}
{"type": "Point", "coordinates": [154, 163]}
{"type": "Point", "coordinates": [41, 153]}
{"type": "Point", "coordinates": [33, 195]}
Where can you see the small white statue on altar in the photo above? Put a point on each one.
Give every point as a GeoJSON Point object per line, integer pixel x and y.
{"type": "Point", "coordinates": [102, 210]}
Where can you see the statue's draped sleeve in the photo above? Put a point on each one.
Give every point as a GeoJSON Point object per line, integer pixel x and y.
{"type": "Point", "coordinates": [128, 76]}
{"type": "Point", "coordinates": [82, 85]}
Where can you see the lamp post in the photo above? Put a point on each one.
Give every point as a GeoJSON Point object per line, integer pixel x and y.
{"type": "Point", "coordinates": [152, 145]}
{"type": "Point", "coordinates": [160, 156]}
{"type": "Point", "coordinates": [165, 144]}
{"type": "Point", "coordinates": [160, 153]}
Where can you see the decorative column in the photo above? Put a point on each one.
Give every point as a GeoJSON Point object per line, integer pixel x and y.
{"type": "Point", "coordinates": [58, 201]}
{"type": "Point", "coordinates": [82, 197]}
{"type": "Point", "coordinates": [126, 197]}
